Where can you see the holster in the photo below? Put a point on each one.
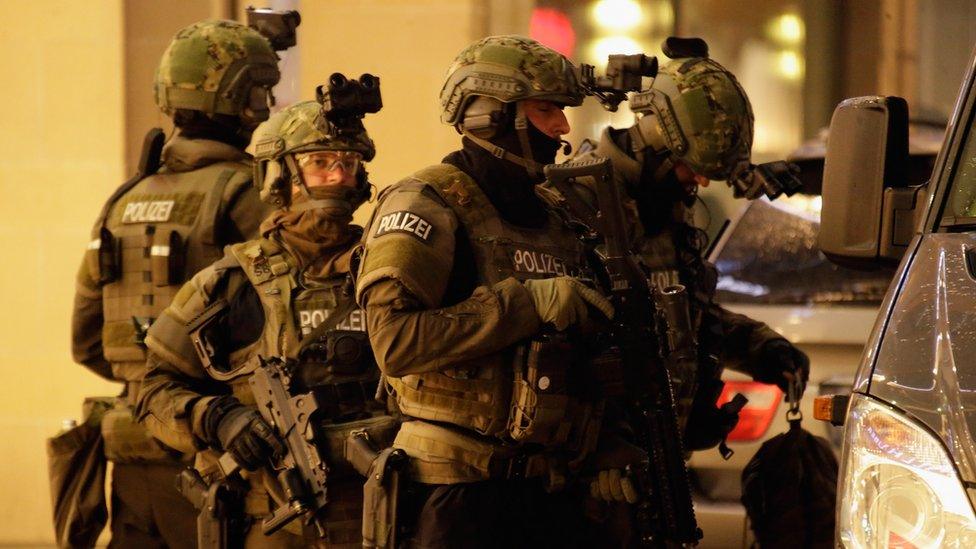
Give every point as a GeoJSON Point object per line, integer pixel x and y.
{"type": "Point", "coordinates": [221, 522]}
{"type": "Point", "coordinates": [381, 493]}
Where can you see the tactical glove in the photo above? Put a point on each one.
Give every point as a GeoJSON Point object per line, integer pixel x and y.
{"type": "Point", "coordinates": [780, 357]}
{"type": "Point", "coordinates": [611, 485]}
{"type": "Point", "coordinates": [562, 301]}
{"type": "Point", "coordinates": [240, 430]}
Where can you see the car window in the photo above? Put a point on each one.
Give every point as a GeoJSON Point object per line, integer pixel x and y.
{"type": "Point", "coordinates": [962, 197]}
{"type": "Point", "coordinates": [772, 257]}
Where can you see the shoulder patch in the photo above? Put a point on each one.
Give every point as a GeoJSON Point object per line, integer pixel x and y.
{"type": "Point", "coordinates": [404, 222]}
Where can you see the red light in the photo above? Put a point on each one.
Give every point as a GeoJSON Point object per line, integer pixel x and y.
{"type": "Point", "coordinates": [758, 413]}
{"type": "Point", "coordinates": [553, 28]}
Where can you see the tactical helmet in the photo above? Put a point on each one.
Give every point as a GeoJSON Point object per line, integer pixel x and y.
{"type": "Point", "coordinates": [490, 75]}
{"type": "Point", "coordinates": [300, 128]}
{"type": "Point", "coordinates": [212, 66]}
{"type": "Point", "coordinates": [509, 69]}
{"type": "Point", "coordinates": [702, 116]}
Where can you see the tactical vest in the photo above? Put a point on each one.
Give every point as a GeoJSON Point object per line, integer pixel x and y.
{"type": "Point", "coordinates": [293, 309]}
{"type": "Point", "coordinates": [338, 365]}
{"type": "Point", "coordinates": [151, 239]}
{"type": "Point", "coordinates": [503, 395]}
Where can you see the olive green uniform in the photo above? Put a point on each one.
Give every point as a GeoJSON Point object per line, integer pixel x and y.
{"type": "Point", "coordinates": [271, 306]}
{"type": "Point", "coordinates": [166, 227]}
{"type": "Point", "coordinates": [477, 414]}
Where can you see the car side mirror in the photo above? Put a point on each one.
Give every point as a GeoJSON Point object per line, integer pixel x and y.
{"type": "Point", "coordinates": [869, 211]}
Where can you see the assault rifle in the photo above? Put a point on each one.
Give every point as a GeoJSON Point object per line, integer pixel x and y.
{"type": "Point", "coordinates": [665, 515]}
{"type": "Point", "coordinates": [302, 471]}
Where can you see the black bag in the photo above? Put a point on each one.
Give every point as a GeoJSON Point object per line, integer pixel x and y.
{"type": "Point", "coordinates": [789, 489]}
{"type": "Point", "coordinates": [76, 468]}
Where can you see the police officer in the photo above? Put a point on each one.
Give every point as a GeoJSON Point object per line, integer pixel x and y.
{"type": "Point", "coordinates": [463, 264]}
{"type": "Point", "coordinates": [700, 129]}
{"type": "Point", "coordinates": [214, 80]}
{"type": "Point", "coordinates": [284, 295]}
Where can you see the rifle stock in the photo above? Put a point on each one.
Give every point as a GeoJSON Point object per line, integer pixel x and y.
{"type": "Point", "coordinates": [665, 515]}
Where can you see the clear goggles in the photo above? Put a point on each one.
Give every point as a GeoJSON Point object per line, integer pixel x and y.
{"type": "Point", "coordinates": [325, 162]}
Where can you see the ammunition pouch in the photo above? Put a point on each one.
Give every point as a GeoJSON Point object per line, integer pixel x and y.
{"type": "Point", "coordinates": [128, 441]}
{"type": "Point", "coordinates": [167, 258]}
{"type": "Point", "coordinates": [76, 470]}
{"type": "Point", "coordinates": [104, 258]}
{"type": "Point", "coordinates": [540, 395]}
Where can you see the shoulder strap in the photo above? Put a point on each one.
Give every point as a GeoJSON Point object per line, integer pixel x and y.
{"type": "Point", "coordinates": [459, 192]}
{"type": "Point", "coordinates": [149, 159]}
{"type": "Point", "coordinates": [214, 207]}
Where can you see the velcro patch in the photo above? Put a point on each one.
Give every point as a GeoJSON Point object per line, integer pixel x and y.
{"type": "Point", "coordinates": [156, 211]}
{"type": "Point", "coordinates": [536, 262]}
{"type": "Point", "coordinates": [404, 222]}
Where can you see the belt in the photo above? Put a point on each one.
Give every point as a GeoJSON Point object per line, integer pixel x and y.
{"type": "Point", "coordinates": [518, 467]}
{"type": "Point", "coordinates": [341, 399]}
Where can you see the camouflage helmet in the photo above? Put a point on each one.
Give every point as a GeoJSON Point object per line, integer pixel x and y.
{"type": "Point", "coordinates": [703, 116]}
{"type": "Point", "coordinates": [509, 69]}
{"type": "Point", "coordinates": [211, 66]}
{"type": "Point", "coordinates": [299, 128]}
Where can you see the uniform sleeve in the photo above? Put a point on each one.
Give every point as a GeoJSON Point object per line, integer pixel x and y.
{"type": "Point", "coordinates": [176, 388]}
{"type": "Point", "coordinates": [86, 325]}
{"type": "Point", "coordinates": [405, 272]}
{"type": "Point", "coordinates": [171, 405]}
{"type": "Point", "coordinates": [245, 211]}
{"type": "Point", "coordinates": [744, 341]}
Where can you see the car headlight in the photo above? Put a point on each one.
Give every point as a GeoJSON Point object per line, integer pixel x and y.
{"type": "Point", "coordinates": [898, 487]}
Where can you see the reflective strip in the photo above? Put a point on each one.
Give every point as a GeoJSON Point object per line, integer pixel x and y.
{"type": "Point", "coordinates": [159, 251]}
{"type": "Point", "coordinates": [95, 244]}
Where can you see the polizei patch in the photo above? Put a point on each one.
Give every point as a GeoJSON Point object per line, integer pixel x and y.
{"type": "Point", "coordinates": [531, 261]}
{"type": "Point", "coordinates": [155, 211]}
{"type": "Point", "coordinates": [404, 222]}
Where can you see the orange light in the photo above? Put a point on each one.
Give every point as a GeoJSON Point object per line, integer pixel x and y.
{"type": "Point", "coordinates": [756, 416]}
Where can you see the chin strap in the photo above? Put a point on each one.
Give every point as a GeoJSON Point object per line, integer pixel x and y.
{"type": "Point", "coordinates": [522, 129]}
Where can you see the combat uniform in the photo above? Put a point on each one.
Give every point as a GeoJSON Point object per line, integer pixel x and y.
{"type": "Point", "coordinates": [453, 358]}
{"type": "Point", "coordinates": [698, 118]}
{"type": "Point", "coordinates": [154, 233]}
{"type": "Point", "coordinates": [176, 395]}
{"type": "Point", "coordinates": [166, 227]}
{"type": "Point", "coordinates": [285, 296]}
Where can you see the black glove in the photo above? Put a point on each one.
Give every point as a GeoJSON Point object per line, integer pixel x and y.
{"type": "Point", "coordinates": [240, 430]}
{"type": "Point", "coordinates": [780, 357]}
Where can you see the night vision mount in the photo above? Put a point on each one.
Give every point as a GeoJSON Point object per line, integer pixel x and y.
{"type": "Point", "coordinates": [278, 26]}
{"type": "Point", "coordinates": [345, 102]}
{"type": "Point", "coordinates": [624, 74]}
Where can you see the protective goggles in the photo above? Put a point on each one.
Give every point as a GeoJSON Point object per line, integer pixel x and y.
{"type": "Point", "coordinates": [324, 162]}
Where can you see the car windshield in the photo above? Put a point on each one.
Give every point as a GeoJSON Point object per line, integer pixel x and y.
{"type": "Point", "coordinates": [771, 257]}
{"type": "Point", "coordinates": [961, 205]}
